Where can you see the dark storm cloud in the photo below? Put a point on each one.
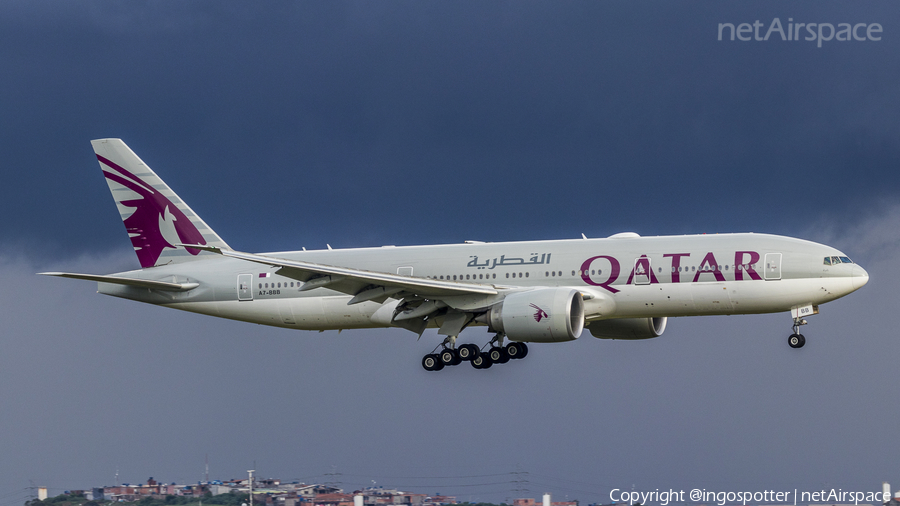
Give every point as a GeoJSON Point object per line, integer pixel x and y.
{"type": "Point", "coordinates": [359, 123]}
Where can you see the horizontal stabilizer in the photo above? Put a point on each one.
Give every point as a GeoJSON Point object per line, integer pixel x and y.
{"type": "Point", "coordinates": [143, 283]}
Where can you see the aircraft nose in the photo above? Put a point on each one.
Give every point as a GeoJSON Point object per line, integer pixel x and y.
{"type": "Point", "coordinates": [860, 277]}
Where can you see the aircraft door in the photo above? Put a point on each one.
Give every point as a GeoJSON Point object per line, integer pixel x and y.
{"type": "Point", "coordinates": [773, 266]}
{"type": "Point", "coordinates": [245, 286]}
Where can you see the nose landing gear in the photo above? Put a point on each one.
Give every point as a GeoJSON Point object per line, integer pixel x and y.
{"type": "Point", "coordinates": [796, 340]}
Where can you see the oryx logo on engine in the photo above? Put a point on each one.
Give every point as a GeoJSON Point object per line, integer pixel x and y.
{"type": "Point", "coordinates": [540, 314]}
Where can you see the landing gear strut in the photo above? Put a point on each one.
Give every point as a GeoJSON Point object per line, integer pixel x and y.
{"type": "Point", "coordinates": [796, 340]}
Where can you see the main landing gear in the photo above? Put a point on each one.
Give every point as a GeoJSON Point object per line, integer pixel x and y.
{"type": "Point", "coordinates": [796, 340]}
{"type": "Point", "coordinates": [452, 355]}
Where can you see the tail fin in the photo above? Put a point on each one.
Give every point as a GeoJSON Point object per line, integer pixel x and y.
{"type": "Point", "coordinates": [155, 218]}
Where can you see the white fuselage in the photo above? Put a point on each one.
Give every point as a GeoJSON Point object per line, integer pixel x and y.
{"type": "Point", "coordinates": [621, 277]}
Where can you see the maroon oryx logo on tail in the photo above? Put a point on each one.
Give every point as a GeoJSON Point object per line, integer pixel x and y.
{"type": "Point", "coordinates": [156, 223]}
{"type": "Point", "coordinates": [540, 314]}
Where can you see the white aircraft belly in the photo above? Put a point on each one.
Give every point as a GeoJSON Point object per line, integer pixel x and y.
{"type": "Point", "coordinates": [303, 313]}
{"type": "Point", "coordinates": [735, 297]}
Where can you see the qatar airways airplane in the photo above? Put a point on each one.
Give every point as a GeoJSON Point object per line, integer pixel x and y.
{"type": "Point", "coordinates": [621, 287]}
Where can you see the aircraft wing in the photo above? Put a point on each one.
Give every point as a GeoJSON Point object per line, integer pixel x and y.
{"type": "Point", "coordinates": [363, 285]}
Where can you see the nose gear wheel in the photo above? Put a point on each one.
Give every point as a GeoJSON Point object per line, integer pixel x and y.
{"type": "Point", "coordinates": [796, 340]}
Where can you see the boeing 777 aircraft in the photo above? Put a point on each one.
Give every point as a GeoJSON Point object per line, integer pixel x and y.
{"type": "Point", "coordinates": [621, 287]}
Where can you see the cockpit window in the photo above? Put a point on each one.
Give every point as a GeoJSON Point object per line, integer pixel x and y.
{"type": "Point", "coordinates": [835, 260]}
{"type": "Point", "coordinates": [827, 260]}
{"type": "Point", "coordinates": [846, 260]}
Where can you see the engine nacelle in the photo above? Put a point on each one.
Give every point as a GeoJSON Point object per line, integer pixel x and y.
{"type": "Point", "coordinates": [544, 315]}
{"type": "Point", "coordinates": [628, 328]}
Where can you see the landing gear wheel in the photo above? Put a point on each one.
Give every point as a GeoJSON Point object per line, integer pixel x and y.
{"type": "Point", "coordinates": [516, 350]}
{"type": "Point", "coordinates": [481, 361]}
{"type": "Point", "coordinates": [498, 355]}
{"type": "Point", "coordinates": [467, 352]}
{"type": "Point", "coordinates": [449, 357]}
{"type": "Point", "coordinates": [432, 362]}
{"type": "Point", "coordinates": [796, 340]}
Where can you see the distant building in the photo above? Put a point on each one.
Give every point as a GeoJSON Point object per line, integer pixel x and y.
{"type": "Point", "coordinates": [393, 497]}
{"type": "Point", "coordinates": [333, 500]}
{"type": "Point", "coordinates": [314, 490]}
{"type": "Point", "coordinates": [218, 489]}
{"type": "Point", "coordinates": [96, 494]}
{"type": "Point", "coordinates": [534, 502]}
{"type": "Point", "coordinates": [440, 499]}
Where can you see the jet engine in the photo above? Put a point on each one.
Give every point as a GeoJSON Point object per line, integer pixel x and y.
{"type": "Point", "coordinates": [628, 328]}
{"type": "Point", "coordinates": [543, 315]}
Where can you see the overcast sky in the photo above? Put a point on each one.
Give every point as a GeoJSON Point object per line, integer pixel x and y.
{"type": "Point", "coordinates": [289, 123]}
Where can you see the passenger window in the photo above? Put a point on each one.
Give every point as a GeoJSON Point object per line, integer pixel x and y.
{"type": "Point", "coordinates": [526, 274]}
